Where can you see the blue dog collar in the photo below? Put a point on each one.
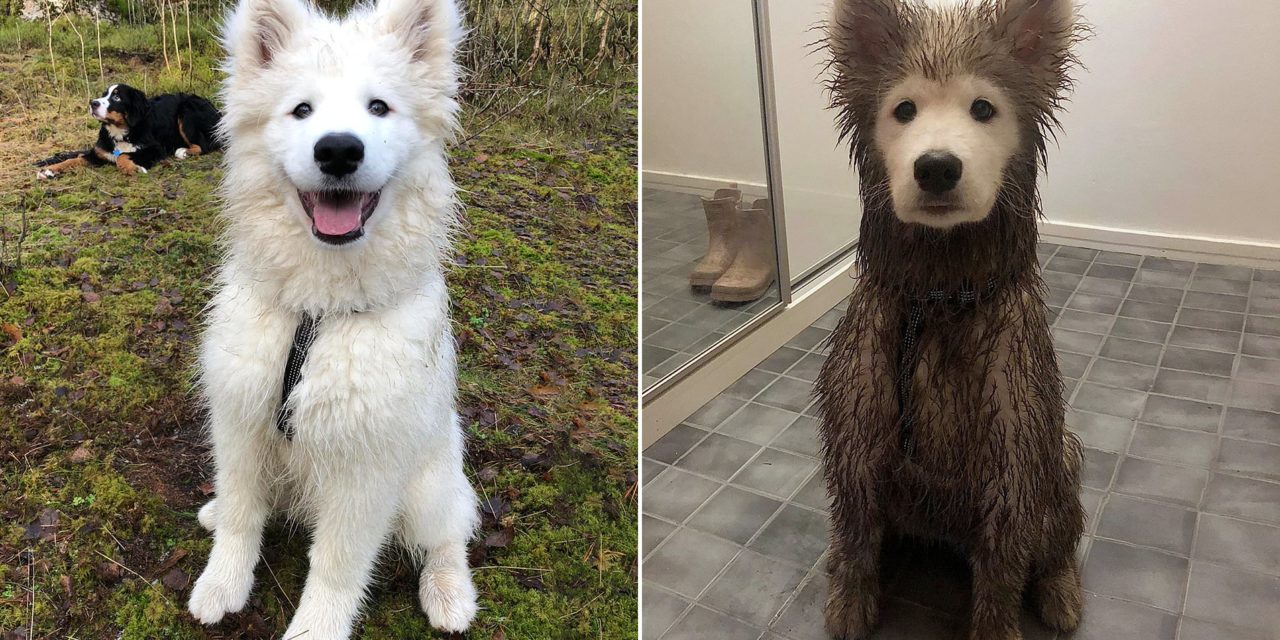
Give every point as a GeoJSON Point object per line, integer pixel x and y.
{"type": "Point", "coordinates": [115, 153]}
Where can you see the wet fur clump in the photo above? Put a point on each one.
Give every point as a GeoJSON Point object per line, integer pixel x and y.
{"type": "Point", "coordinates": [986, 462]}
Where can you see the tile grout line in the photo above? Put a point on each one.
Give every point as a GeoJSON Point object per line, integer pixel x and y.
{"type": "Point", "coordinates": [1214, 462]}
{"type": "Point", "coordinates": [726, 483]}
{"type": "Point", "coordinates": [1164, 350]}
{"type": "Point", "coordinates": [788, 501]}
{"type": "Point", "coordinates": [1075, 393]}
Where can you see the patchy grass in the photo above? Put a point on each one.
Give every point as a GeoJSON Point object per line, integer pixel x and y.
{"type": "Point", "coordinates": [101, 439]}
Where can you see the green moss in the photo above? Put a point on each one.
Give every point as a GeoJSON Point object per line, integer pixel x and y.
{"type": "Point", "coordinates": [149, 613]}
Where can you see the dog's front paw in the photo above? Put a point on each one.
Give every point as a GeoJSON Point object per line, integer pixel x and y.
{"type": "Point", "coordinates": [448, 598]}
{"type": "Point", "coordinates": [45, 174]}
{"type": "Point", "coordinates": [851, 617]}
{"type": "Point", "coordinates": [1059, 599]}
{"type": "Point", "coordinates": [214, 596]}
{"type": "Point", "coordinates": [316, 626]}
{"type": "Point", "coordinates": [142, 169]}
{"type": "Point", "coordinates": [180, 154]}
{"type": "Point", "coordinates": [987, 634]}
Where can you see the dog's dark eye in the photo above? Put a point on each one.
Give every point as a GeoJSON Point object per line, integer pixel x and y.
{"type": "Point", "coordinates": [378, 108]}
{"type": "Point", "coordinates": [301, 111]}
{"type": "Point", "coordinates": [115, 98]}
{"type": "Point", "coordinates": [905, 112]}
{"type": "Point", "coordinates": [981, 110]}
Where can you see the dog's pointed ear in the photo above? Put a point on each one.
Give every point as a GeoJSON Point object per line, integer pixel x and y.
{"type": "Point", "coordinates": [259, 29]}
{"type": "Point", "coordinates": [1038, 30]}
{"type": "Point", "coordinates": [864, 31]}
{"type": "Point", "coordinates": [431, 29]}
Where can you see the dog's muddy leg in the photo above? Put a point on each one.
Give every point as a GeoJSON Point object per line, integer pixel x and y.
{"type": "Point", "coordinates": [240, 514]}
{"type": "Point", "coordinates": [1056, 588]}
{"type": "Point", "coordinates": [1000, 571]}
{"type": "Point", "coordinates": [853, 604]}
{"type": "Point", "coordinates": [353, 520]}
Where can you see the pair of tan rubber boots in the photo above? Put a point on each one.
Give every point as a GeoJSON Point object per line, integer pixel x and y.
{"type": "Point", "coordinates": [740, 263]}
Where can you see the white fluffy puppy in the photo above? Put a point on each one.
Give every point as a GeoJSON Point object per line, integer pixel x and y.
{"type": "Point", "coordinates": [339, 206]}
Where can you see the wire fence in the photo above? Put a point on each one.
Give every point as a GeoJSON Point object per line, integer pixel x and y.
{"type": "Point", "coordinates": [557, 55]}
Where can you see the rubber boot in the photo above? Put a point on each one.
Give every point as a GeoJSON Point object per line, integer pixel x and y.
{"type": "Point", "coordinates": [722, 214]}
{"type": "Point", "coordinates": [755, 263]}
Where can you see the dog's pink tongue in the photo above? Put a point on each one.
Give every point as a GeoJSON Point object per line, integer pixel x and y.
{"type": "Point", "coordinates": [336, 218]}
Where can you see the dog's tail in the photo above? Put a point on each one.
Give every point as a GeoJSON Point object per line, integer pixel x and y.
{"type": "Point", "coordinates": [61, 157]}
{"type": "Point", "coordinates": [215, 138]}
{"type": "Point", "coordinates": [202, 119]}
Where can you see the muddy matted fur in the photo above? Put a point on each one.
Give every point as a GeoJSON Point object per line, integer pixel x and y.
{"type": "Point", "coordinates": [992, 468]}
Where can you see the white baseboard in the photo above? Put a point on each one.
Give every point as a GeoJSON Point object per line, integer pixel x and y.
{"type": "Point", "coordinates": [1181, 247]}
{"type": "Point", "coordinates": [700, 185]}
{"type": "Point", "coordinates": [677, 402]}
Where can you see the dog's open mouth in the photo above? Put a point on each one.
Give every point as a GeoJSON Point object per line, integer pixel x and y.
{"type": "Point", "coordinates": [338, 217]}
{"type": "Point", "coordinates": [938, 207]}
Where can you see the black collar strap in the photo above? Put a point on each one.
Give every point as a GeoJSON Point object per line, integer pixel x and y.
{"type": "Point", "coordinates": [303, 336]}
{"type": "Point", "coordinates": [909, 348]}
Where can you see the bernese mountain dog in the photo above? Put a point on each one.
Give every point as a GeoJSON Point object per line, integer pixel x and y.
{"type": "Point", "coordinates": [137, 132]}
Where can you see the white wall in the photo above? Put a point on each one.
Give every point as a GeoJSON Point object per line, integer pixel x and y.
{"type": "Point", "coordinates": [1171, 141]}
{"type": "Point", "coordinates": [1174, 128]}
{"type": "Point", "coordinates": [820, 188]}
{"type": "Point", "coordinates": [701, 90]}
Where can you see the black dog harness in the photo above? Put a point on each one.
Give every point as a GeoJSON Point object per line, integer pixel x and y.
{"type": "Point", "coordinates": [303, 336]}
{"type": "Point", "coordinates": [909, 349]}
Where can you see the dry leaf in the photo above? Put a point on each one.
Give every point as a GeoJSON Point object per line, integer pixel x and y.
{"type": "Point", "coordinates": [12, 330]}
{"type": "Point", "coordinates": [500, 538]}
{"type": "Point", "coordinates": [543, 392]}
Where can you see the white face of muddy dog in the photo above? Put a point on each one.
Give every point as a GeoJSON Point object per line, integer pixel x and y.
{"type": "Point", "coordinates": [947, 95]}
{"type": "Point", "coordinates": [945, 145]}
{"type": "Point", "coordinates": [343, 107]}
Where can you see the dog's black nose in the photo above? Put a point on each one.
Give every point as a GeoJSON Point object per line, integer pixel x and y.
{"type": "Point", "coordinates": [938, 172]}
{"type": "Point", "coordinates": [339, 154]}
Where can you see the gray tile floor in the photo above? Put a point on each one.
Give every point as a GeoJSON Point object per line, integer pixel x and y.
{"type": "Point", "coordinates": [1171, 370]}
{"type": "Point", "coordinates": [679, 323]}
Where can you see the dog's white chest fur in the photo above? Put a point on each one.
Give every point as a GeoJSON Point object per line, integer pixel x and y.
{"type": "Point", "coordinates": [117, 134]}
{"type": "Point", "coordinates": [363, 374]}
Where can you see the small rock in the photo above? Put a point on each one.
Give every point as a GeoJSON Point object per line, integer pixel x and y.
{"type": "Point", "coordinates": [81, 454]}
{"type": "Point", "coordinates": [176, 579]}
{"type": "Point", "coordinates": [109, 572]}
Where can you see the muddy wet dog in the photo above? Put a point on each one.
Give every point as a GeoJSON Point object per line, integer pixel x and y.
{"type": "Point", "coordinates": [941, 399]}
